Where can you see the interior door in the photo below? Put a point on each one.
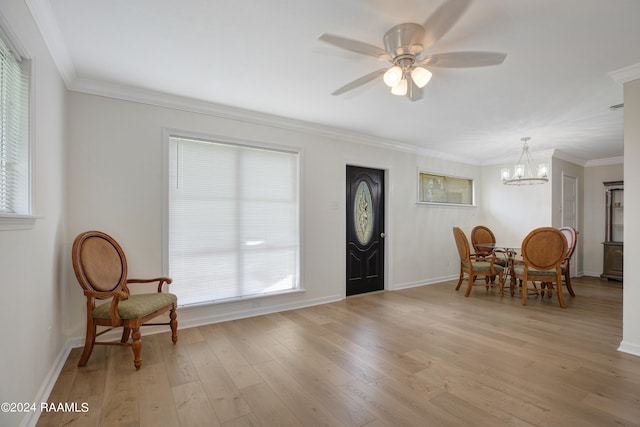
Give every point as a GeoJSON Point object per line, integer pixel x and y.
{"type": "Point", "coordinates": [570, 211]}
{"type": "Point", "coordinates": [365, 230]}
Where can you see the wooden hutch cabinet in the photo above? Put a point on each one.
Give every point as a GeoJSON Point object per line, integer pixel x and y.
{"type": "Point", "coordinates": [614, 231]}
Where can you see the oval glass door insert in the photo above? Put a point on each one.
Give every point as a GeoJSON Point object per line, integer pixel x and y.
{"type": "Point", "coordinates": [362, 213]}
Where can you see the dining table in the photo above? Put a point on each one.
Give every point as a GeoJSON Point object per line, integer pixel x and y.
{"type": "Point", "coordinates": [509, 252]}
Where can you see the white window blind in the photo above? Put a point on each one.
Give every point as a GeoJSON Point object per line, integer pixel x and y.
{"type": "Point", "coordinates": [14, 132]}
{"type": "Point", "coordinates": [233, 220]}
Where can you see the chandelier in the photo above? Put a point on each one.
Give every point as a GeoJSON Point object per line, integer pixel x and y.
{"type": "Point", "coordinates": [523, 171]}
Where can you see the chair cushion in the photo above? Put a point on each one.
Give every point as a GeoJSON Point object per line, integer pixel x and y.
{"type": "Point", "coordinates": [484, 267]}
{"type": "Point", "coordinates": [501, 262]}
{"type": "Point", "coordinates": [498, 261]}
{"type": "Point", "coordinates": [136, 306]}
{"type": "Point", "coordinates": [519, 270]}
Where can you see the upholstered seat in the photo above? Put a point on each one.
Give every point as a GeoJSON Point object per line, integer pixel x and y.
{"type": "Point", "coordinates": [518, 269]}
{"type": "Point", "coordinates": [480, 266]}
{"type": "Point", "coordinates": [136, 306]}
{"type": "Point", "coordinates": [101, 269]}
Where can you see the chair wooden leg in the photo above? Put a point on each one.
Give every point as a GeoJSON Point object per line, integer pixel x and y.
{"type": "Point", "coordinates": [559, 291]}
{"type": "Point", "coordinates": [501, 282]}
{"type": "Point", "coordinates": [89, 341]}
{"type": "Point", "coordinates": [174, 325]}
{"type": "Point", "coordinates": [524, 292]}
{"type": "Point", "coordinates": [460, 279]}
{"type": "Point", "coordinates": [512, 284]}
{"type": "Point", "coordinates": [125, 334]}
{"type": "Point", "coordinates": [567, 279]}
{"type": "Point", "coordinates": [136, 345]}
{"type": "Point", "coordinates": [469, 286]}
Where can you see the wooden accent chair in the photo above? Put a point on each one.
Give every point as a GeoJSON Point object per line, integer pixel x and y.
{"type": "Point", "coordinates": [543, 252]}
{"type": "Point", "coordinates": [101, 270]}
{"type": "Point", "coordinates": [572, 241]}
{"type": "Point", "coordinates": [474, 265]}
{"type": "Point", "coordinates": [482, 234]}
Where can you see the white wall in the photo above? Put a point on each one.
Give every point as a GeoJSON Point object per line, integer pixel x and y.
{"type": "Point", "coordinates": [630, 313]}
{"type": "Point", "coordinates": [31, 261]}
{"type": "Point", "coordinates": [512, 211]}
{"type": "Point", "coordinates": [115, 149]}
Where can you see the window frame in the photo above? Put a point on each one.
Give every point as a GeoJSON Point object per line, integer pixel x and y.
{"type": "Point", "coordinates": [24, 220]}
{"type": "Point", "coordinates": [167, 134]}
{"type": "Point", "coordinates": [420, 201]}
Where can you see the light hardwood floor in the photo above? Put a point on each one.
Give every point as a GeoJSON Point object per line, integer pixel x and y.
{"type": "Point", "coordinates": [424, 356]}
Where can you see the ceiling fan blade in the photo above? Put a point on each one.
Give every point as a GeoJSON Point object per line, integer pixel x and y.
{"type": "Point", "coordinates": [441, 21]}
{"type": "Point", "coordinates": [356, 46]}
{"type": "Point", "coordinates": [463, 59]}
{"type": "Point", "coordinates": [359, 82]}
{"type": "Point", "coordinates": [414, 93]}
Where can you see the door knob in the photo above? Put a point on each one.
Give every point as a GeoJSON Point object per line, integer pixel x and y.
{"type": "Point", "coordinates": [383, 235]}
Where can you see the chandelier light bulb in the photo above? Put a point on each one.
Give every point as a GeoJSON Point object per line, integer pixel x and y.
{"type": "Point", "coordinates": [543, 171]}
{"type": "Point", "coordinates": [400, 88]}
{"type": "Point", "coordinates": [392, 76]}
{"type": "Point", "coordinates": [518, 171]}
{"type": "Point", "coordinates": [420, 76]}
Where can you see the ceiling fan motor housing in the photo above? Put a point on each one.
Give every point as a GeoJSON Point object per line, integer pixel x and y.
{"type": "Point", "coordinates": [404, 39]}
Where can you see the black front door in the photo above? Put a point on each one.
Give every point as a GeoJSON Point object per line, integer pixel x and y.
{"type": "Point", "coordinates": [365, 230]}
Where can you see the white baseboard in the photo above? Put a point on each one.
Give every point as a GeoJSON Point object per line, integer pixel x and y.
{"type": "Point", "coordinates": [47, 385]}
{"type": "Point", "coordinates": [631, 348]}
{"type": "Point", "coordinates": [589, 274]}
{"type": "Point", "coordinates": [408, 285]}
{"type": "Point", "coordinates": [189, 317]}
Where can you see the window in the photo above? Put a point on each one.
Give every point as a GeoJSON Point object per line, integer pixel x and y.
{"type": "Point", "coordinates": [14, 132]}
{"type": "Point", "coordinates": [233, 222]}
{"type": "Point", "coordinates": [445, 189]}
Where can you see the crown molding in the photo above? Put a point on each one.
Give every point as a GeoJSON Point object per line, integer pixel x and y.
{"type": "Point", "coordinates": [161, 99]}
{"type": "Point", "coordinates": [52, 36]}
{"type": "Point", "coordinates": [559, 154]}
{"type": "Point", "coordinates": [626, 74]}
{"type": "Point", "coordinates": [605, 162]}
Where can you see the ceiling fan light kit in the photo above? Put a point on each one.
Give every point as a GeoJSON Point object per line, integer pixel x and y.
{"type": "Point", "coordinates": [400, 88]}
{"type": "Point", "coordinates": [405, 46]}
{"type": "Point", "coordinates": [392, 76]}
{"type": "Point", "coordinates": [421, 76]}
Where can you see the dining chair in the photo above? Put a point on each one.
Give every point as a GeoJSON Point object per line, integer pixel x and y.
{"type": "Point", "coordinates": [571, 235]}
{"type": "Point", "coordinates": [473, 265]}
{"type": "Point", "coordinates": [543, 252]}
{"type": "Point", "coordinates": [481, 235]}
{"type": "Point", "coordinates": [101, 269]}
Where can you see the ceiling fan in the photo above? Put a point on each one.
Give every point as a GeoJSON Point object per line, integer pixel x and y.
{"type": "Point", "coordinates": [405, 46]}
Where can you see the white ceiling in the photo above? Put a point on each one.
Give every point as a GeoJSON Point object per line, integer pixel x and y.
{"type": "Point", "coordinates": [264, 56]}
